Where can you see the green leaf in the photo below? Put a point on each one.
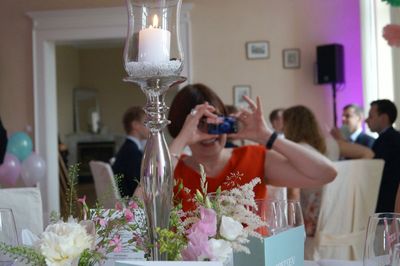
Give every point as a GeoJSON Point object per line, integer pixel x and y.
{"type": "Point", "coordinates": [395, 3]}
{"type": "Point", "coordinates": [24, 254]}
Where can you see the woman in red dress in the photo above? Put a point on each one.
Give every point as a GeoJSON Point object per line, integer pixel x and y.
{"type": "Point", "coordinates": [275, 161]}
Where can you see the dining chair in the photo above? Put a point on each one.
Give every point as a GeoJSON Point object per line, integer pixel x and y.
{"type": "Point", "coordinates": [26, 204]}
{"type": "Point", "coordinates": [105, 185]}
{"type": "Point", "coordinates": [346, 204]}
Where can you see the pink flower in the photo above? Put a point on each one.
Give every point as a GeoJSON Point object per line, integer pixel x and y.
{"type": "Point", "coordinates": [198, 247]}
{"type": "Point", "coordinates": [133, 205]}
{"type": "Point", "coordinates": [128, 215]}
{"type": "Point", "coordinates": [118, 206]}
{"type": "Point", "coordinates": [85, 208]}
{"type": "Point", "coordinates": [116, 243]}
{"type": "Point", "coordinates": [207, 223]}
{"type": "Point", "coordinates": [82, 200]}
{"type": "Point", "coordinates": [391, 33]}
{"type": "Point", "coordinates": [103, 222]}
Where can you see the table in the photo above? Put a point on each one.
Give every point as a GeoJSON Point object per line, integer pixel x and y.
{"type": "Point", "coordinates": [327, 262]}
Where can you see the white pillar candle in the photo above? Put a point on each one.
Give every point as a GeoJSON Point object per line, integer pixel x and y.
{"type": "Point", "coordinates": [154, 44]}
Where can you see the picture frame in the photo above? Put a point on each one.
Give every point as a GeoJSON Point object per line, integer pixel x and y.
{"type": "Point", "coordinates": [257, 50]}
{"type": "Point", "coordinates": [291, 58]}
{"type": "Point", "coordinates": [238, 92]}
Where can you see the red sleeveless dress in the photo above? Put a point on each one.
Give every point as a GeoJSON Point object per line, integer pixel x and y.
{"type": "Point", "coordinates": [245, 164]}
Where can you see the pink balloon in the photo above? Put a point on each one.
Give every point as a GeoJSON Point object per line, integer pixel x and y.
{"type": "Point", "coordinates": [33, 169]}
{"type": "Point", "coordinates": [10, 170]}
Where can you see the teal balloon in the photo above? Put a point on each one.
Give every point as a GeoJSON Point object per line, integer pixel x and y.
{"type": "Point", "coordinates": [20, 145]}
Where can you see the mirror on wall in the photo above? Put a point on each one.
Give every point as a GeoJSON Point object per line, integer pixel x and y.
{"type": "Point", "coordinates": [86, 111]}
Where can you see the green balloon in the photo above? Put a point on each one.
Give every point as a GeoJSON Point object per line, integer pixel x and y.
{"type": "Point", "coordinates": [20, 145]}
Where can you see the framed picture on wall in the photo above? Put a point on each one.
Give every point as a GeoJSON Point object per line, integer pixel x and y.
{"type": "Point", "coordinates": [291, 58]}
{"type": "Point", "coordinates": [238, 92]}
{"type": "Point", "coordinates": [257, 50]}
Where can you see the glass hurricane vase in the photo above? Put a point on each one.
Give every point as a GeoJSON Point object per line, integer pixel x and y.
{"type": "Point", "coordinates": [153, 60]}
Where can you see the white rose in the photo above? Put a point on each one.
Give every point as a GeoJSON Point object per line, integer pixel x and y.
{"type": "Point", "coordinates": [230, 229]}
{"type": "Point", "coordinates": [61, 243]}
{"type": "Point", "coordinates": [220, 248]}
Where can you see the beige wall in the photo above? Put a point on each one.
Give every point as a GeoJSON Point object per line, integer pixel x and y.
{"type": "Point", "coordinates": [219, 32]}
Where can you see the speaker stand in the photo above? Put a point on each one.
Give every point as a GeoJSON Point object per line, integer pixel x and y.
{"type": "Point", "coordinates": [334, 104]}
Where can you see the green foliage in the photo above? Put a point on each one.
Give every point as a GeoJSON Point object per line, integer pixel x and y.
{"type": "Point", "coordinates": [90, 258]}
{"type": "Point", "coordinates": [395, 3]}
{"type": "Point", "coordinates": [24, 254]}
{"type": "Point", "coordinates": [171, 243]}
{"type": "Point", "coordinates": [73, 173]}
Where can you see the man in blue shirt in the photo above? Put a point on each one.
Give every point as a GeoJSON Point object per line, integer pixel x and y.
{"type": "Point", "coordinates": [352, 117]}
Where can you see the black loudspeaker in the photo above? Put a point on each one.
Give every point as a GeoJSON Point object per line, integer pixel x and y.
{"type": "Point", "coordinates": [330, 65]}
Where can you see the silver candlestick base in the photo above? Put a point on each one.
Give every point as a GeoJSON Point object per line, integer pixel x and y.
{"type": "Point", "coordinates": [156, 169]}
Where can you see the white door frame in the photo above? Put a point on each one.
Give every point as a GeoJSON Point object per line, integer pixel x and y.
{"type": "Point", "coordinates": [50, 28]}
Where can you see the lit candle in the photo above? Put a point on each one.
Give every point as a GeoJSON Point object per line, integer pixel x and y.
{"type": "Point", "coordinates": [154, 43]}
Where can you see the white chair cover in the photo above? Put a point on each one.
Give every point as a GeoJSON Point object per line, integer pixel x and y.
{"type": "Point", "coordinates": [26, 204]}
{"type": "Point", "coordinates": [106, 188]}
{"type": "Point", "coordinates": [346, 204]}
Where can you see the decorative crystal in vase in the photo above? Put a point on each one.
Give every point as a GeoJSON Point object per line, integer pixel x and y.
{"type": "Point", "coordinates": [153, 60]}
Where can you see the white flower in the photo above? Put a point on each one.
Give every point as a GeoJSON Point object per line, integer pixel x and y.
{"type": "Point", "coordinates": [61, 243]}
{"type": "Point", "coordinates": [220, 248]}
{"type": "Point", "coordinates": [230, 229]}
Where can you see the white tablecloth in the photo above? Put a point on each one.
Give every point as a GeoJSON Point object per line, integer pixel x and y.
{"type": "Point", "coordinates": [333, 263]}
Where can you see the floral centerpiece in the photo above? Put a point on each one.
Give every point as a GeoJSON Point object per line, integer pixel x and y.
{"type": "Point", "coordinates": [86, 242]}
{"type": "Point", "coordinates": [221, 224]}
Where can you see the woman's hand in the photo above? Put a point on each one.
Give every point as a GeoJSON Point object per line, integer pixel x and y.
{"type": "Point", "coordinates": [252, 124]}
{"type": "Point", "coordinates": [190, 132]}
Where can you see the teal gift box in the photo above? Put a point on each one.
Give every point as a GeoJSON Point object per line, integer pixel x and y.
{"type": "Point", "coordinates": [283, 249]}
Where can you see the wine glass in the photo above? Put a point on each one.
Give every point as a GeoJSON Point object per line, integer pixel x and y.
{"type": "Point", "coordinates": [272, 213]}
{"type": "Point", "coordinates": [8, 234]}
{"type": "Point", "coordinates": [294, 213]}
{"type": "Point", "coordinates": [383, 233]}
{"type": "Point", "coordinates": [396, 255]}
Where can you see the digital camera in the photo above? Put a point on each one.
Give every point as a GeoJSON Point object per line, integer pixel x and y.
{"type": "Point", "coordinates": [228, 125]}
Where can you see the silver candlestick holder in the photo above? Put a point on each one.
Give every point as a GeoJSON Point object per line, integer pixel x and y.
{"type": "Point", "coordinates": [153, 60]}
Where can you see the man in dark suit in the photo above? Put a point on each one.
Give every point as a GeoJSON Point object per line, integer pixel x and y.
{"type": "Point", "coordinates": [381, 117]}
{"type": "Point", "coordinates": [129, 156]}
{"type": "Point", "coordinates": [352, 117]}
{"type": "Point", "coordinates": [3, 142]}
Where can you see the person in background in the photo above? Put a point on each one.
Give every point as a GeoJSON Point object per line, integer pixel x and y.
{"type": "Point", "coordinates": [129, 156]}
{"type": "Point", "coordinates": [276, 120]}
{"type": "Point", "coordinates": [295, 118]}
{"type": "Point", "coordinates": [3, 142]}
{"type": "Point", "coordinates": [275, 161]}
{"type": "Point", "coordinates": [381, 116]}
{"type": "Point", "coordinates": [352, 118]}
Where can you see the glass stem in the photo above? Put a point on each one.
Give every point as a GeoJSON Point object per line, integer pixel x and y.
{"type": "Point", "coordinates": [156, 169]}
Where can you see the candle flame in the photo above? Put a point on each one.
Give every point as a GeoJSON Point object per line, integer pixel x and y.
{"type": "Point", "coordinates": [155, 21]}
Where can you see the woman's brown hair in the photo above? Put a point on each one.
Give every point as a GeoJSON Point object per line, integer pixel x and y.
{"type": "Point", "coordinates": [300, 125]}
{"type": "Point", "coordinates": [187, 99]}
